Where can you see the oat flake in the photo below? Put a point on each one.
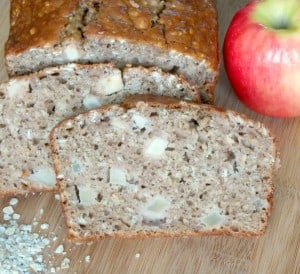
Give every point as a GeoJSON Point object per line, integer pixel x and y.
{"type": "Point", "coordinates": [21, 249]}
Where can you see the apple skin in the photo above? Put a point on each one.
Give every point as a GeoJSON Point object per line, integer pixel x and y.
{"type": "Point", "coordinates": [263, 65]}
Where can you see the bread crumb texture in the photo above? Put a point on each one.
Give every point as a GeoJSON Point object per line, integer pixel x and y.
{"type": "Point", "coordinates": [31, 106]}
{"type": "Point", "coordinates": [162, 171]}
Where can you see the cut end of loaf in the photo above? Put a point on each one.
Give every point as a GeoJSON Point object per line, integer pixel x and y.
{"type": "Point", "coordinates": [32, 105]}
{"type": "Point", "coordinates": [179, 37]}
{"type": "Point", "coordinates": [198, 73]}
{"type": "Point", "coordinates": [156, 171]}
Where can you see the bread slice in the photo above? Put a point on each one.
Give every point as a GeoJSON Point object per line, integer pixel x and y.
{"type": "Point", "coordinates": [31, 105]}
{"type": "Point", "coordinates": [177, 36]}
{"type": "Point", "coordinates": [163, 168]}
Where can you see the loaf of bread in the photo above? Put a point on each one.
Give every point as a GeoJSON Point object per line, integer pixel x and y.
{"type": "Point", "coordinates": [178, 36]}
{"type": "Point", "coordinates": [31, 105]}
{"type": "Point", "coordinates": [163, 168]}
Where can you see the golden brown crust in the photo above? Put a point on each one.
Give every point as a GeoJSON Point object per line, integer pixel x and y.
{"type": "Point", "coordinates": [189, 27]}
{"type": "Point", "coordinates": [165, 101]}
{"type": "Point", "coordinates": [25, 191]}
{"type": "Point", "coordinates": [173, 103]}
{"type": "Point", "coordinates": [145, 234]}
{"type": "Point", "coordinates": [186, 26]}
{"type": "Point", "coordinates": [153, 100]}
{"type": "Point", "coordinates": [37, 23]}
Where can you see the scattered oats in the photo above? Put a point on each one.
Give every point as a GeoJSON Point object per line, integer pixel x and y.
{"type": "Point", "coordinates": [10, 231]}
{"type": "Point", "coordinates": [41, 211]}
{"type": "Point", "coordinates": [27, 228]}
{"type": "Point", "coordinates": [46, 241]}
{"type": "Point", "coordinates": [6, 217]}
{"type": "Point", "coordinates": [54, 238]}
{"type": "Point", "coordinates": [44, 226]}
{"type": "Point", "coordinates": [21, 249]}
{"type": "Point", "coordinates": [137, 255]}
{"type": "Point", "coordinates": [65, 263]}
{"type": "Point", "coordinates": [57, 196]}
{"type": "Point", "coordinates": [8, 210]}
{"type": "Point", "coordinates": [59, 249]}
{"type": "Point", "coordinates": [16, 216]}
{"type": "Point", "coordinates": [60, 176]}
{"type": "Point", "coordinates": [88, 259]}
{"type": "Point", "coordinates": [37, 266]}
{"type": "Point", "coordinates": [13, 201]}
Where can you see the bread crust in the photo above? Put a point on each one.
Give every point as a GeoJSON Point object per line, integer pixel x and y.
{"type": "Point", "coordinates": [37, 23]}
{"type": "Point", "coordinates": [145, 234]}
{"type": "Point", "coordinates": [186, 26]}
{"type": "Point", "coordinates": [171, 103]}
{"type": "Point", "coordinates": [182, 36]}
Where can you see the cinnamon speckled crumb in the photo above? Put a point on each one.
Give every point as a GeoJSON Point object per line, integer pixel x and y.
{"type": "Point", "coordinates": [32, 105]}
{"type": "Point", "coordinates": [159, 169]}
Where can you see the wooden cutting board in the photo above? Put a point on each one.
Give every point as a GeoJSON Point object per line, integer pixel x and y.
{"type": "Point", "coordinates": [278, 251]}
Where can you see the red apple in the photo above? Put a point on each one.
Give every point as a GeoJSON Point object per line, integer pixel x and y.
{"type": "Point", "coordinates": [262, 56]}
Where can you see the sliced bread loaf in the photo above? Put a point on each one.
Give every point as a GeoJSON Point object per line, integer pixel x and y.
{"type": "Point", "coordinates": [177, 36]}
{"type": "Point", "coordinates": [163, 168]}
{"type": "Point", "coordinates": [31, 105]}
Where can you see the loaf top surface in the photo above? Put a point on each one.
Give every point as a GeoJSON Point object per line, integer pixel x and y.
{"type": "Point", "coordinates": [35, 23]}
{"type": "Point", "coordinates": [189, 27]}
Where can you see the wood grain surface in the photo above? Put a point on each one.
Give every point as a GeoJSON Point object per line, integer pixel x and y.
{"type": "Point", "coordinates": [278, 251]}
